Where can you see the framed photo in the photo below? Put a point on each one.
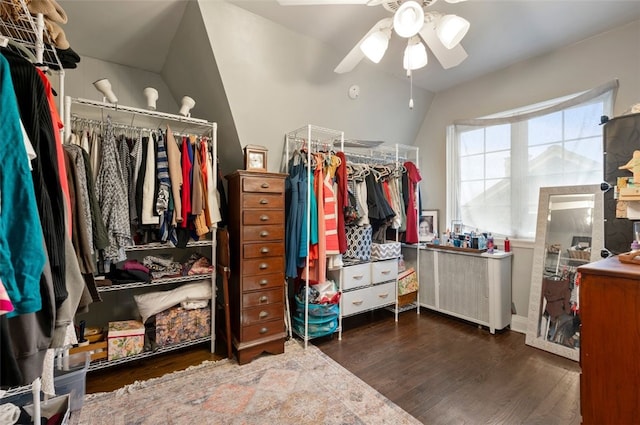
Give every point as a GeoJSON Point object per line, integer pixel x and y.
{"type": "Point", "coordinates": [427, 225]}
{"type": "Point", "coordinates": [255, 158]}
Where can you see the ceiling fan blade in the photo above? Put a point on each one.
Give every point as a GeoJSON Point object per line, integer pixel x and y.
{"type": "Point", "coordinates": [354, 57]}
{"type": "Point", "coordinates": [320, 2]}
{"type": "Point", "coordinates": [448, 57]}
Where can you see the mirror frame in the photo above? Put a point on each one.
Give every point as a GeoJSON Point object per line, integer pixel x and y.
{"type": "Point", "coordinates": [597, 243]}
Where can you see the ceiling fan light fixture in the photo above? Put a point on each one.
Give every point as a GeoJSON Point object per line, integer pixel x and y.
{"type": "Point", "coordinates": [451, 29]}
{"type": "Point", "coordinates": [408, 19]}
{"type": "Point", "coordinates": [415, 55]}
{"type": "Point", "coordinates": [376, 45]}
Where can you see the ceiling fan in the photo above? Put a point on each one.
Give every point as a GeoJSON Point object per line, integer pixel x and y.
{"type": "Point", "coordinates": [412, 20]}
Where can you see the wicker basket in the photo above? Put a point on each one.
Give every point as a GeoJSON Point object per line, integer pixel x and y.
{"type": "Point", "coordinates": [579, 254]}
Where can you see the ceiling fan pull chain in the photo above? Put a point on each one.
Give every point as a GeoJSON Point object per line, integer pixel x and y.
{"type": "Point", "coordinates": [410, 89]}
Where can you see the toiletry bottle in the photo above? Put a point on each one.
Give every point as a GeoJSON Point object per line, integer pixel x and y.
{"type": "Point", "coordinates": [490, 243]}
{"type": "Point", "coordinates": [507, 245]}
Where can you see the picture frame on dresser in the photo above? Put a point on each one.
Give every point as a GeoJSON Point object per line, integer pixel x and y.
{"type": "Point", "coordinates": [255, 158]}
{"type": "Point", "coordinates": [428, 225]}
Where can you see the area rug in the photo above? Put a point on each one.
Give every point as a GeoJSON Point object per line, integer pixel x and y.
{"type": "Point", "coordinates": [301, 386]}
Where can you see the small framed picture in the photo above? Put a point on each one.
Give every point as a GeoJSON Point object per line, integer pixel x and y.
{"type": "Point", "coordinates": [255, 158]}
{"type": "Point", "coordinates": [427, 225]}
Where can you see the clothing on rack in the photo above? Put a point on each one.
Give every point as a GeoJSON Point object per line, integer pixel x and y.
{"type": "Point", "coordinates": [47, 174]}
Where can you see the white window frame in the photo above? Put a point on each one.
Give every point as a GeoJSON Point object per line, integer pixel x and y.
{"type": "Point", "coordinates": [511, 117]}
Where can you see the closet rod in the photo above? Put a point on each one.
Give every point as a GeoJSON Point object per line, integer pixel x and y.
{"type": "Point", "coordinates": [76, 119]}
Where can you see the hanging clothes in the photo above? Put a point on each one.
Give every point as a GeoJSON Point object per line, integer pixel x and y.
{"type": "Point", "coordinates": [413, 178]}
{"type": "Point", "coordinates": [46, 175]}
{"type": "Point", "coordinates": [185, 194]}
{"type": "Point", "coordinates": [342, 198]}
{"type": "Point", "coordinates": [22, 256]}
{"type": "Point", "coordinates": [112, 197]}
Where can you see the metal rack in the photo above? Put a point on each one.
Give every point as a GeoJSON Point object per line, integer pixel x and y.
{"type": "Point", "coordinates": [136, 118]}
{"type": "Point", "coordinates": [314, 139]}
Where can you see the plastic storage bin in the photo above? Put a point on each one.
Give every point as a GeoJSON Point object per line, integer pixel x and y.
{"type": "Point", "coordinates": [70, 378]}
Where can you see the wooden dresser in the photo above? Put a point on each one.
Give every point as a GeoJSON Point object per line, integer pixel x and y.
{"type": "Point", "coordinates": [610, 342]}
{"type": "Point", "coordinates": [256, 288]}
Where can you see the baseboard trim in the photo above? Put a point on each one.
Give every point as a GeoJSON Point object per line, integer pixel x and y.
{"type": "Point", "coordinates": [519, 323]}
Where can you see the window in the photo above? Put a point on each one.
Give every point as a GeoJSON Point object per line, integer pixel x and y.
{"type": "Point", "coordinates": [497, 164]}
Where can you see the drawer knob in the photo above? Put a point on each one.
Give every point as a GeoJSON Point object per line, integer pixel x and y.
{"type": "Point", "coordinates": [263, 282]}
{"type": "Point", "coordinates": [263, 314]}
{"type": "Point", "coordinates": [264, 234]}
{"type": "Point", "coordinates": [264, 217]}
{"type": "Point", "coordinates": [386, 271]}
{"type": "Point", "coordinates": [358, 277]}
{"type": "Point", "coordinates": [385, 295]}
{"type": "Point", "coordinates": [264, 185]}
{"type": "Point", "coordinates": [263, 266]}
{"type": "Point", "coordinates": [264, 299]}
{"type": "Point", "coordinates": [264, 330]}
{"type": "Point", "coordinates": [264, 250]}
{"type": "Point", "coordinates": [358, 302]}
{"type": "Point", "coordinates": [263, 202]}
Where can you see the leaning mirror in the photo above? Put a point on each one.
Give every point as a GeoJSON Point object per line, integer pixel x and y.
{"type": "Point", "coordinates": [569, 233]}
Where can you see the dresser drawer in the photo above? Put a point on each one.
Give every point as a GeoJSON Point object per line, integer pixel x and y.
{"type": "Point", "coordinates": [268, 232]}
{"type": "Point", "coordinates": [261, 250]}
{"type": "Point", "coordinates": [252, 217]}
{"type": "Point", "coordinates": [259, 298]}
{"type": "Point", "coordinates": [262, 266]}
{"type": "Point", "coordinates": [262, 201]}
{"type": "Point", "coordinates": [263, 281]}
{"type": "Point", "coordinates": [368, 298]}
{"type": "Point", "coordinates": [251, 316]}
{"type": "Point", "coordinates": [262, 330]}
{"type": "Point", "coordinates": [382, 271]}
{"type": "Point", "coordinates": [353, 276]}
{"type": "Point", "coordinates": [263, 184]}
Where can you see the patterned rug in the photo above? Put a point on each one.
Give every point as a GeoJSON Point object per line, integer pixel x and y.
{"type": "Point", "coordinates": [297, 387]}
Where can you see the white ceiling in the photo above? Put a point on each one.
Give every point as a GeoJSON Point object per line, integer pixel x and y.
{"type": "Point", "coordinates": [138, 33]}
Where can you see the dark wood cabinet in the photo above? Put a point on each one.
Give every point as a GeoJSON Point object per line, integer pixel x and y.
{"type": "Point", "coordinates": [256, 289]}
{"type": "Point", "coordinates": [610, 342]}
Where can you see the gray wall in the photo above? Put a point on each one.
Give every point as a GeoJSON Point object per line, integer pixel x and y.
{"type": "Point", "coordinates": [277, 81]}
{"type": "Point", "coordinates": [578, 67]}
{"type": "Point", "coordinates": [127, 84]}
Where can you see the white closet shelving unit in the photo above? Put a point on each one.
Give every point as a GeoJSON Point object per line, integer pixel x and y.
{"type": "Point", "coordinates": [26, 35]}
{"type": "Point", "coordinates": [135, 119]}
{"type": "Point", "coordinates": [396, 154]}
{"type": "Point", "coordinates": [316, 139]}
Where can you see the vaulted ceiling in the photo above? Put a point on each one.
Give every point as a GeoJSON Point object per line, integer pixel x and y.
{"type": "Point", "coordinates": [138, 33]}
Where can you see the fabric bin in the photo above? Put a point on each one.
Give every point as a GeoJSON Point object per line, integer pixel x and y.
{"type": "Point", "coordinates": [318, 310]}
{"type": "Point", "coordinates": [125, 338]}
{"type": "Point", "coordinates": [317, 326]}
{"type": "Point", "coordinates": [384, 251]}
{"type": "Point", "coordinates": [177, 324]}
{"type": "Point", "coordinates": [407, 282]}
{"type": "Point", "coordinates": [359, 242]}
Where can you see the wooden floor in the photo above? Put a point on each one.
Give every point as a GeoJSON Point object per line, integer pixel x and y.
{"type": "Point", "coordinates": [439, 369]}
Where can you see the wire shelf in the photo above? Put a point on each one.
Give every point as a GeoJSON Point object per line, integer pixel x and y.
{"type": "Point", "coordinates": [130, 117]}
{"type": "Point", "coordinates": [155, 282]}
{"type": "Point", "coordinates": [27, 34]}
{"type": "Point", "coordinates": [159, 245]}
{"type": "Point", "coordinates": [102, 364]}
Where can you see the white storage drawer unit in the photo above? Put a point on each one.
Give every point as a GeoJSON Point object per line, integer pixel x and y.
{"type": "Point", "coordinates": [368, 298]}
{"type": "Point", "coordinates": [367, 286]}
